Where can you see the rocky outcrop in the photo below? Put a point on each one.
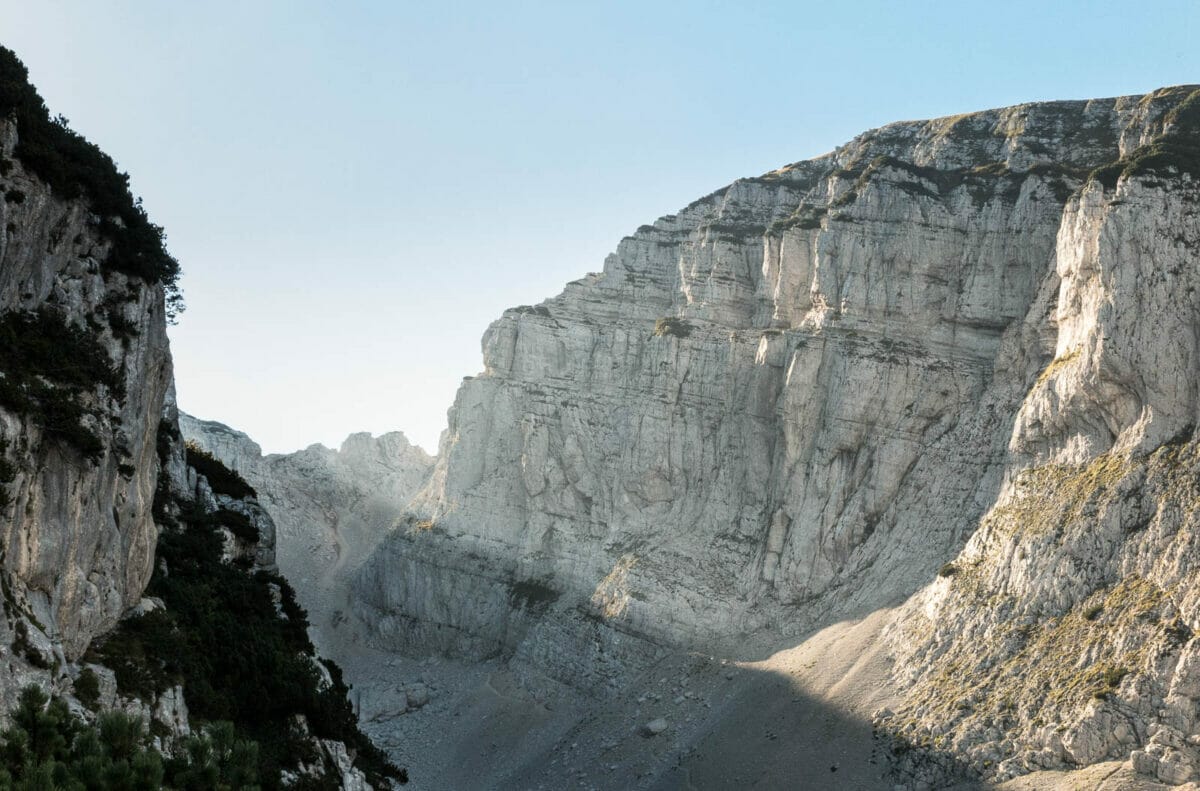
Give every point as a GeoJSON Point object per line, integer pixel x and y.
{"type": "Point", "coordinates": [799, 399]}
{"type": "Point", "coordinates": [1073, 606]}
{"type": "Point", "coordinates": [215, 567]}
{"type": "Point", "coordinates": [784, 386]}
{"type": "Point", "coordinates": [78, 534]}
{"type": "Point", "coordinates": [332, 507]}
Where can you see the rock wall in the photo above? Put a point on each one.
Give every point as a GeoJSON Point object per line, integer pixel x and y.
{"type": "Point", "coordinates": [91, 458]}
{"type": "Point", "coordinates": [799, 399]}
{"type": "Point", "coordinates": [78, 534]}
{"type": "Point", "coordinates": [1072, 608]}
{"type": "Point", "coordinates": [785, 387]}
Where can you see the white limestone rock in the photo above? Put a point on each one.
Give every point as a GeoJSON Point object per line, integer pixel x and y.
{"type": "Point", "coordinates": [655, 727]}
{"type": "Point", "coordinates": [940, 367]}
{"type": "Point", "coordinates": [78, 535]}
{"type": "Point", "coordinates": [783, 395]}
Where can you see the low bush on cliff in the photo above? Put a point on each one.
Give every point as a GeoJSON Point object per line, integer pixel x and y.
{"type": "Point", "coordinates": [48, 370]}
{"type": "Point", "coordinates": [48, 747]}
{"type": "Point", "coordinates": [222, 637]}
{"type": "Point", "coordinates": [87, 688]}
{"type": "Point", "coordinates": [1175, 151]}
{"type": "Point", "coordinates": [532, 594]}
{"type": "Point", "coordinates": [672, 326]}
{"type": "Point", "coordinates": [8, 472]}
{"type": "Point", "coordinates": [75, 168]}
{"type": "Point", "coordinates": [222, 479]}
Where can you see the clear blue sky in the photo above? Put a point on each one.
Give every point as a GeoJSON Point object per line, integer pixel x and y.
{"type": "Point", "coordinates": [356, 189]}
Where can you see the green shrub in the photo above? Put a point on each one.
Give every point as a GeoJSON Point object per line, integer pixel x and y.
{"type": "Point", "coordinates": [8, 472]}
{"type": "Point", "coordinates": [51, 369]}
{"type": "Point", "coordinates": [1111, 679]}
{"type": "Point", "coordinates": [23, 646]}
{"type": "Point", "coordinates": [533, 595]}
{"type": "Point", "coordinates": [47, 747]}
{"type": "Point", "coordinates": [672, 326]}
{"type": "Point", "coordinates": [221, 637]}
{"type": "Point", "coordinates": [1175, 151]}
{"type": "Point", "coordinates": [121, 327]}
{"type": "Point", "coordinates": [1114, 675]}
{"type": "Point", "coordinates": [237, 523]}
{"type": "Point", "coordinates": [215, 758]}
{"type": "Point", "coordinates": [222, 479]}
{"type": "Point", "coordinates": [87, 688]}
{"type": "Point", "coordinates": [805, 217]}
{"type": "Point", "coordinates": [43, 343]}
{"type": "Point", "coordinates": [75, 168]}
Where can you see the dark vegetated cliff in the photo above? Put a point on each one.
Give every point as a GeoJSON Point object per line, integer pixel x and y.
{"type": "Point", "coordinates": [232, 634]}
{"type": "Point", "coordinates": [107, 520]}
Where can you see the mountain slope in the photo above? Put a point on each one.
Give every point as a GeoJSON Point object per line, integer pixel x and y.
{"type": "Point", "coordinates": [797, 401]}
{"type": "Point", "coordinates": [84, 371]}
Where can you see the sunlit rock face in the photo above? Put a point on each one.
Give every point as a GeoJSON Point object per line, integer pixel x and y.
{"type": "Point", "coordinates": [1063, 634]}
{"type": "Point", "coordinates": [78, 536]}
{"type": "Point", "coordinates": [800, 398]}
{"type": "Point", "coordinates": [776, 407]}
{"type": "Point", "coordinates": [330, 507]}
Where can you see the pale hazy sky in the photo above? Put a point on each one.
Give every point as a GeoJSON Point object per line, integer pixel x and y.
{"type": "Point", "coordinates": [356, 189]}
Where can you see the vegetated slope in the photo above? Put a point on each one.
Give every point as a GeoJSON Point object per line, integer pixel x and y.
{"type": "Point", "coordinates": [800, 399]}
{"type": "Point", "coordinates": [1072, 609]}
{"type": "Point", "coordinates": [330, 507]}
{"type": "Point", "coordinates": [231, 634]}
{"type": "Point", "coordinates": [47, 745]}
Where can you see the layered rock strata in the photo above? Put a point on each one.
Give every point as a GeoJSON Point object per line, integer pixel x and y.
{"type": "Point", "coordinates": [802, 397]}
{"type": "Point", "coordinates": [92, 466]}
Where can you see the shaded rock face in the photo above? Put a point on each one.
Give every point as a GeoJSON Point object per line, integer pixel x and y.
{"type": "Point", "coordinates": [331, 507]}
{"type": "Point", "coordinates": [802, 397]}
{"type": "Point", "coordinates": [78, 535]}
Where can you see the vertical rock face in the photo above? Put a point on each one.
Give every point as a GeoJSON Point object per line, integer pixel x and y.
{"type": "Point", "coordinates": [786, 386]}
{"type": "Point", "coordinates": [332, 507]}
{"type": "Point", "coordinates": [1073, 607]}
{"type": "Point", "coordinates": [799, 400]}
{"type": "Point", "coordinates": [77, 529]}
{"type": "Point", "coordinates": [90, 459]}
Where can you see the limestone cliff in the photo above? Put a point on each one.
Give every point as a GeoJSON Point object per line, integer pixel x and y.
{"type": "Point", "coordinates": [1073, 607]}
{"type": "Point", "coordinates": [799, 399]}
{"type": "Point", "coordinates": [784, 386]}
{"type": "Point", "coordinates": [84, 370]}
{"type": "Point", "coordinates": [221, 636]}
